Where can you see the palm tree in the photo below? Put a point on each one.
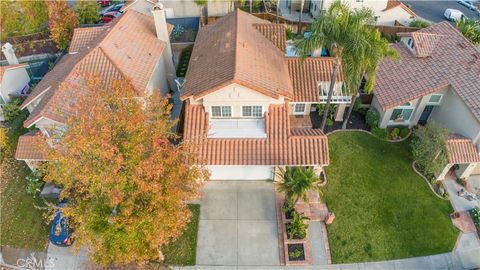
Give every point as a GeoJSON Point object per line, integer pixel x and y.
{"type": "Point", "coordinates": [342, 31]}
{"type": "Point", "coordinates": [297, 181]}
{"type": "Point", "coordinates": [377, 49]}
{"type": "Point", "coordinates": [470, 28]}
{"type": "Point", "coordinates": [204, 5]}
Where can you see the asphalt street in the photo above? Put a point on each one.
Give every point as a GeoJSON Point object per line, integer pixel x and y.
{"type": "Point", "coordinates": [433, 10]}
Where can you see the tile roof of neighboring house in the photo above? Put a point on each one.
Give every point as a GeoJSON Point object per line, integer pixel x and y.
{"type": "Point", "coordinates": [306, 75]}
{"type": "Point", "coordinates": [425, 43]}
{"type": "Point", "coordinates": [126, 48]}
{"type": "Point", "coordinates": [232, 50]}
{"type": "Point", "coordinates": [5, 68]}
{"type": "Point", "coordinates": [31, 146]}
{"type": "Point", "coordinates": [276, 33]}
{"type": "Point", "coordinates": [391, 4]}
{"type": "Point", "coordinates": [283, 145]}
{"type": "Point", "coordinates": [82, 37]}
{"type": "Point", "coordinates": [461, 150]}
{"type": "Point", "coordinates": [454, 62]}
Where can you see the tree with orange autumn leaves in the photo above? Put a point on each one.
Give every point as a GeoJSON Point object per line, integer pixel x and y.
{"type": "Point", "coordinates": [62, 21]}
{"type": "Point", "coordinates": [127, 185]}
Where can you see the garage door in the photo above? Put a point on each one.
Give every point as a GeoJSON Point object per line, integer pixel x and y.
{"type": "Point", "coordinates": [241, 172]}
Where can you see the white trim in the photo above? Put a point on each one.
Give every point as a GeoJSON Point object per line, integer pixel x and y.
{"type": "Point", "coordinates": [257, 117]}
{"type": "Point", "coordinates": [402, 107]}
{"type": "Point", "coordinates": [35, 98]}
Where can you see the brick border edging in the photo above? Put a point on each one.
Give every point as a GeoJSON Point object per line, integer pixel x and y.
{"type": "Point", "coordinates": [368, 132]}
{"type": "Point", "coordinates": [280, 225]}
{"type": "Point", "coordinates": [428, 182]}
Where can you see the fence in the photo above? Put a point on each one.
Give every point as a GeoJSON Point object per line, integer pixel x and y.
{"type": "Point", "coordinates": [293, 26]}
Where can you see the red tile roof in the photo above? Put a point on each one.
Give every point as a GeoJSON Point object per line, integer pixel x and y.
{"type": "Point", "coordinates": [82, 37]}
{"type": "Point", "coordinates": [283, 145]}
{"type": "Point", "coordinates": [391, 4]}
{"type": "Point", "coordinates": [5, 68]}
{"type": "Point", "coordinates": [233, 50]}
{"type": "Point", "coordinates": [425, 43]}
{"type": "Point", "coordinates": [31, 146]}
{"type": "Point", "coordinates": [461, 150]}
{"type": "Point", "coordinates": [127, 47]}
{"type": "Point", "coordinates": [454, 62]}
{"type": "Point", "coordinates": [306, 75]}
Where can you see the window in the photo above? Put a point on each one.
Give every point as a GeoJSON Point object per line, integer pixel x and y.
{"type": "Point", "coordinates": [221, 111]}
{"type": "Point", "coordinates": [409, 42]}
{"type": "Point", "coordinates": [402, 113]}
{"type": "Point", "coordinates": [435, 99]}
{"type": "Point", "coordinates": [252, 111]}
{"type": "Point", "coordinates": [299, 108]}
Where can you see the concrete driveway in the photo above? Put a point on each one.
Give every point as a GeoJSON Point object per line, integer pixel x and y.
{"type": "Point", "coordinates": [238, 224]}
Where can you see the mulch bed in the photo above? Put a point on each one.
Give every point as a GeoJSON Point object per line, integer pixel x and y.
{"type": "Point", "coordinates": [357, 121]}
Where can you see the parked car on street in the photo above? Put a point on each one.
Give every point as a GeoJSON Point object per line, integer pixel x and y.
{"type": "Point", "coordinates": [453, 14]}
{"type": "Point", "coordinates": [104, 3]}
{"type": "Point", "coordinates": [60, 233]}
{"type": "Point", "coordinates": [114, 8]}
{"type": "Point", "coordinates": [468, 4]}
{"type": "Point", "coordinates": [109, 16]}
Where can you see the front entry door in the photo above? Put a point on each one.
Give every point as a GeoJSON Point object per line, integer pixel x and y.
{"type": "Point", "coordinates": [425, 115]}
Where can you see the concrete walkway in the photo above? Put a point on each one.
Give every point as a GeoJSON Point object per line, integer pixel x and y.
{"type": "Point", "coordinates": [441, 261]}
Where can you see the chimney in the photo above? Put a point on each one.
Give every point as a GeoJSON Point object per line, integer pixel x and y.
{"type": "Point", "coordinates": [9, 53]}
{"type": "Point", "coordinates": [159, 17]}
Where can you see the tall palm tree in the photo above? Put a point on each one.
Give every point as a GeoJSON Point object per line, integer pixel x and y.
{"type": "Point", "coordinates": [342, 31]}
{"type": "Point", "coordinates": [297, 181]}
{"type": "Point", "coordinates": [377, 49]}
{"type": "Point", "coordinates": [204, 5]}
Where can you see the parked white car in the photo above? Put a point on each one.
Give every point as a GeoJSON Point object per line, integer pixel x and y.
{"type": "Point", "coordinates": [468, 4]}
{"type": "Point", "coordinates": [453, 14]}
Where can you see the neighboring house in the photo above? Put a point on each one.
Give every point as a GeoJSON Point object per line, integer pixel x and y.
{"type": "Point", "coordinates": [135, 46]}
{"type": "Point", "coordinates": [247, 104]}
{"type": "Point", "coordinates": [14, 78]}
{"type": "Point", "coordinates": [437, 79]}
{"type": "Point", "coordinates": [387, 12]}
{"type": "Point", "coordinates": [182, 8]}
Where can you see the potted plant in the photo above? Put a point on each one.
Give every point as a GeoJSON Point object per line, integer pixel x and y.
{"type": "Point", "coordinates": [296, 252]}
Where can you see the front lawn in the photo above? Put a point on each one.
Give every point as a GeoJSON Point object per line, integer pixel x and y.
{"type": "Point", "coordinates": [22, 222]}
{"type": "Point", "coordinates": [383, 209]}
{"type": "Point", "coordinates": [183, 250]}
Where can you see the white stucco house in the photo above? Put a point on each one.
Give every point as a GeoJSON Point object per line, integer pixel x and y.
{"type": "Point", "coordinates": [247, 104]}
{"type": "Point", "coordinates": [14, 78]}
{"type": "Point", "coordinates": [136, 46]}
{"type": "Point", "coordinates": [436, 79]}
{"type": "Point", "coordinates": [182, 8]}
{"type": "Point", "coordinates": [387, 12]}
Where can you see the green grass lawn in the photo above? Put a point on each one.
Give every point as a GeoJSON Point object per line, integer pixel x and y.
{"type": "Point", "coordinates": [22, 223]}
{"type": "Point", "coordinates": [383, 209]}
{"type": "Point", "coordinates": [183, 250]}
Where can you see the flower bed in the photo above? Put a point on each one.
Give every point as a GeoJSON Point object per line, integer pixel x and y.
{"type": "Point", "coordinates": [475, 214]}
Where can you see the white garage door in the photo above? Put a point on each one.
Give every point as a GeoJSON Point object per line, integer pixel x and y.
{"type": "Point", "coordinates": [241, 172]}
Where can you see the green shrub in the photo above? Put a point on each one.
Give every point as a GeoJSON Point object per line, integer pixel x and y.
{"type": "Point", "coordinates": [329, 122]}
{"type": "Point", "coordinates": [419, 23]}
{"type": "Point", "coordinates": [404, 132]}
{"type": "Point", "coordinates": [429, 148]}
{"type": "Point", "coordinates": [34, 183]}
{"type": "Point", "coordinates": [295, 254]}
{"type": "Point", "coordinates": [12, 110]}
{"type": "Point", "coordinates": [372, 118]}
{"type": "Point", "coordinates": [394, 133]}
{"type": "Point", "coordinates": [475, 214]}
{"type": "Point", "coordinates": [297, 228]}
{"type": "Point", "coordinates": [380, 133]}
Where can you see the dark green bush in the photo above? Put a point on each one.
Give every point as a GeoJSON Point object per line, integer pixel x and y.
{"type": "Point", "coordinates": [12, 110]}
{"type": "Point", "coordinates": [372, 118]}
{"type": "Point", "coordinates": [380, 133]}
{"type": "Point", "coordinates": [404, 132]}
